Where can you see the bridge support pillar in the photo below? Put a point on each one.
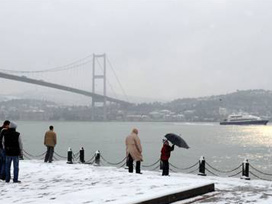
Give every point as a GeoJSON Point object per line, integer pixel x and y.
{"type": "Point", "coordinates": [103, 77]}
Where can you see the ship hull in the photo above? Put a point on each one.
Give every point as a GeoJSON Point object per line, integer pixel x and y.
{"type": "Point", "coordinates": [257, 122]}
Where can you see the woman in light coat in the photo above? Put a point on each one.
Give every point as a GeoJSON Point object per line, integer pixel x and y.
{"type": "Point", "coordinates": [134, 151]}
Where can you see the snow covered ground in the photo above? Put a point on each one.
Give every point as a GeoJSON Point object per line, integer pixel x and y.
{"type": "Point", "coordinates": [59, 182]}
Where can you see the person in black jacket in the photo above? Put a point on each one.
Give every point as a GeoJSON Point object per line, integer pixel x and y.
{"type": "Point", "coordinates": [13, 147]}
{"type": "Point", "coordinates": [3, 129]}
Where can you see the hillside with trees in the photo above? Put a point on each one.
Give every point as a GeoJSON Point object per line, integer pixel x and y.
{"type": "Point", "coordinates": [202, 109]}
{"type": "Point", "coordinates": [213, 108]}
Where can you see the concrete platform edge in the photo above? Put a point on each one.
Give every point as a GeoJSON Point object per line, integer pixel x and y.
{"type": "Point", "coordinates": [166, 199]}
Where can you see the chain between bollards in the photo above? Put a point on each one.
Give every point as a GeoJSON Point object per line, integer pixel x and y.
{"type": "Point", "coordinates": [96, 160]}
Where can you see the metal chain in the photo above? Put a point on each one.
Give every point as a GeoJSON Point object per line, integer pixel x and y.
{"type": "Point", "coordinates": [90, 158]}
{"type": "Point", "coordinates": [151, 164]}
{"type": "Point", "coordinates": [260, 171]}
{"type": "Point", "coordinates": [211, 172]}
{"type": "Point", "coordinates": [89, 162]}
{"type": "Point", "coordinates": [221, 171]}
{"type": "Point", "coordinates": [55, 158]}
{"type": "Point", "coordinates": [184, 168]}
{"type": "Point", "coordinates": [111, 162]}
{"type": "Point", "coordinates": [60, 155]}
{"type": "Point", "coordinates": [30, 155]}
{"type": "Point", "coordinates": [259, 177]}
{"type": "Point", "coordinates": [192, 171]}
{"type": "Point", "coordinates": [156, 168]}
{"type": "Point", "coordinates": [173, 170]}
{"type": "Point", "coordinates": [123, 165]}
{"type": "Point", "coordinates": [235, 174]}
{"type": "Point", "coordinates": [25, 156]}
{"type": "Point", "coordinates": [75, 156]}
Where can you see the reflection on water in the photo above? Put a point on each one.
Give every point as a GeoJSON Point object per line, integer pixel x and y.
{"type": "Point", "coordinates": [251, 135]}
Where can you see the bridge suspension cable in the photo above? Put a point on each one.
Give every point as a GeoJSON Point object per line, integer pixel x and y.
{"type": "Point", "coordinates": [123, 90]}
{"type": "Point", "coordinates": [72, 65]}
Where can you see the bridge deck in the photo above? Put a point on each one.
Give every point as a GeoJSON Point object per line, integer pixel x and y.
{"type": "Point", "coordinates": [96, 97]}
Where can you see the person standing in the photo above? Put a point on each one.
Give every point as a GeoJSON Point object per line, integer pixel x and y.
{"type": "Point", "coordinates": [50, 141]}
{"type": "Point", "coordinates": [134, 151]}
{"type": "Point", "coordinates": [13, 147]}
{"type": "Point", "coordinates": [165, 155]}
{"type": "Point", "coordinates": [3, 129]}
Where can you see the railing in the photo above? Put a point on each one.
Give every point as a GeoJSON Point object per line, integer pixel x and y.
{"type": "Point", "coordinates": [202, 166]}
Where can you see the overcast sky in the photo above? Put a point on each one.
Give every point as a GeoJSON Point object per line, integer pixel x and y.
{"type": "Point", "coordinates": [160, 49]}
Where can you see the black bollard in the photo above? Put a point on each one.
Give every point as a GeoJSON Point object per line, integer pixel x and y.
{"type": "Point", "coordinates": [81, 155]}
{"type": "Point", "coordinates": [202, 166]}
{"type": "Point", "coordinates": [245, 170]}
{"type": "Point", "coordinates": [97, 158]}
{"type": "Point", "coordinates": [69, 156]}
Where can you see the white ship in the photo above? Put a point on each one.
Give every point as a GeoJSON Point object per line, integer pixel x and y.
{"type": "Point", "coordinates": [242, 119]}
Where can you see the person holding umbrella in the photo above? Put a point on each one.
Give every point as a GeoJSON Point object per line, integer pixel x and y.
{"type": "Point", "coordinates": [166, 150]}
{"type": "Point", "coordinates": [165, 155]}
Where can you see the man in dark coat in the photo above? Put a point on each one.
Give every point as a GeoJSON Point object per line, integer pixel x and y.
{"type": "Point", "coordinates": [12, 145]}
{"type": "Point", "coordinates": [165, 155]}
{"type": "Point", "coordinates": [3, 129]}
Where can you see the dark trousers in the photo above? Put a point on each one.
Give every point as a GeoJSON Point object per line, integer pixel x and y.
{"type": "Point", "coordinates": [49, 154]}
{"type": "Point", "coordinates": [15, 160]}
{"type": "Point", "coordinates": [2, 164]}
{"type": "Point", "coordinates": [130, 165]}
{"type": "Point", "coordinates": [165, 168]}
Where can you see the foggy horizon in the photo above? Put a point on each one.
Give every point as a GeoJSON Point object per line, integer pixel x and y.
{"type": "Point", "coordinates": [160, 50]}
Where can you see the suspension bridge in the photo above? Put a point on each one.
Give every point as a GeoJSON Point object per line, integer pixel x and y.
{"type": "Point", "coordinates": [82, 63]}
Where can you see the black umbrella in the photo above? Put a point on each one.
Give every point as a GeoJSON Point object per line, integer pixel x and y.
{"type": "Point", "coordinates": [176, 140]}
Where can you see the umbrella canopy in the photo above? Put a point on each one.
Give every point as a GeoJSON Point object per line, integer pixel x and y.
{"type": "Point", "coordinates": [176, 140]}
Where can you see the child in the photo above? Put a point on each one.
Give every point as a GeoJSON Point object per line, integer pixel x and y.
{"type": "Point", "coordinates": [165, 155]}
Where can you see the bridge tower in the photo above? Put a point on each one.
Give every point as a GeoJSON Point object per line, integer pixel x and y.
{"type": "Point", "coordinates": [99, 77]}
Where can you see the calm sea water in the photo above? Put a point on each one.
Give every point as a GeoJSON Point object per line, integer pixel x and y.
{"type": "Point", "coordinates": [224, 147]}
